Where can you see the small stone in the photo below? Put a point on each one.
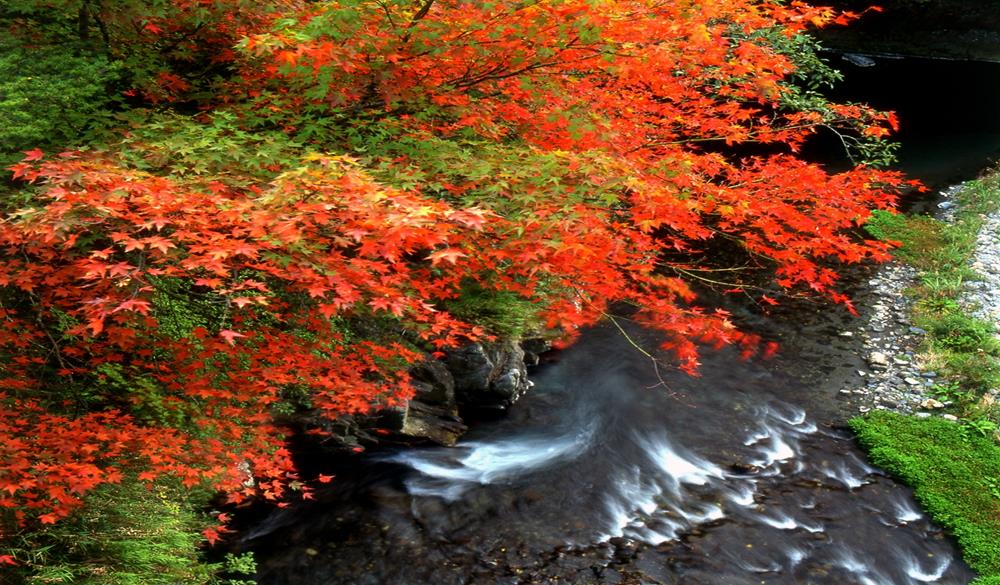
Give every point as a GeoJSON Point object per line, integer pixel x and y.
{"type": "Point", "coordinates": [863, 409]}
{"type": "Point", "coordinates": [950, 417]}
{"type": "Point", "coordinates": [845, 390]}
{"type": "Point", "coordinates": [922, 415]}
{"type": "Point", "coordinates": [862, 373]}
{"type": "Point", "coordinates": [847, 334]}
{"type": "Point", "coordinates": [900, 361]}
{"type": "Point", "coordinates": [878, 359]}
{"type": "Point", "coordinates": [312, 552]}
{"type": "Point", "coordinates": [912, 381]}
{"type": "Point", "coordinates": [931, 403]}
{"type": "Point", "coordinates": [929, 374]}
{"type": "Point", "coordinates": [918, 331]}
{"type": "Point", "coordinates": [946, 205]}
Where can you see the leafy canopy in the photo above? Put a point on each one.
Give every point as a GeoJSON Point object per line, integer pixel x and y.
{"type": "Point", "coordinates": [306, 197]}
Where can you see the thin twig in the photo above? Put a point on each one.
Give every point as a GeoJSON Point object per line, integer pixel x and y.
{"type": "Point", "coordinates": [640, 349]}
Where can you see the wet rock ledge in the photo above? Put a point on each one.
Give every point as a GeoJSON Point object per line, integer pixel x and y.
{"type": "Point", "coordinates": [477, 377]}
{"type": "Point", "coordinates": [477, 380]}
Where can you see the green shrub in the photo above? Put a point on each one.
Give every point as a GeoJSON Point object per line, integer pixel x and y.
{"type": "Point", "coordinates": [127, 534]}
{"type": "Point", "coordinates": [51, 97]}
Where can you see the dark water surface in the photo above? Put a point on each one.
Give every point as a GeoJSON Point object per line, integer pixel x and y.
{"type": "Point", "coordinates": [949, 112]}
{"type": "Point", "coordinates": [603, 475]}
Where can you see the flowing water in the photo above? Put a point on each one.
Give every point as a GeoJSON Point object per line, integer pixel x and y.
{"type": "Point", "coordinates": [606, 473]}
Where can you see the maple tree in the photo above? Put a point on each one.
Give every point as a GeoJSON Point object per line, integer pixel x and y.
{"type": "Point", "coordinates": [372, 164]}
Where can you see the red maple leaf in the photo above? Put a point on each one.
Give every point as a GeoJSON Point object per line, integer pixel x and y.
{"type": "Point", "coordinates": [33, 154]}
{"type": "Point", "coordinates": [230, 336]}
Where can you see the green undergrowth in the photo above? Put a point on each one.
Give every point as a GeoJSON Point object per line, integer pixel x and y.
{"type": "Point", "coordinates": [955, 474]}
{"type": "Point", "coordinates": [127, 534]}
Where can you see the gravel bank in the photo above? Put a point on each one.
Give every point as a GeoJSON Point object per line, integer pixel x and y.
{"type": "Point", "coordinates": [982, 297]}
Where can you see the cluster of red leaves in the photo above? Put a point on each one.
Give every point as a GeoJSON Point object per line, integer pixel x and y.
{"type": "Point", "coordinates": [632, 77]}
{"type": "Point", "coordinates": [644, 83]}
{"type": "Point", "coordinates": [324, 241]}
{"type": "Point", "coordinates": [279, 266]}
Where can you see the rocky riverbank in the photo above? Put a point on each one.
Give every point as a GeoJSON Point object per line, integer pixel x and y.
{"type": "Point", "coordinates": [894, 377]}
{"type": "Point", "coordinates": [897, 377]}
{"type": "Point", "coordinates": [982, 296]}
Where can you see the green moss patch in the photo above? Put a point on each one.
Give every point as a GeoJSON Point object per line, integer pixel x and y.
{"type": "Point", "coordinates": [955, 474]}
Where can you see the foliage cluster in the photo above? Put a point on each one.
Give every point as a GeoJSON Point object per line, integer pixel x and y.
{"type": "Point", "coordinates": [51, 97]}
{"type": "Point", "coordinates": [299, 200]}
{"type": "Point", "coordinates": [953, 473]}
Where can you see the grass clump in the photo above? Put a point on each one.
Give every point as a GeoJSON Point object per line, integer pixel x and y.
{"type": "Point", "coordinates": [955, 474]}
{"type": "Point", "coordinates": [500, 312]}
{"type": "Point", "coordinates": [934, 247]}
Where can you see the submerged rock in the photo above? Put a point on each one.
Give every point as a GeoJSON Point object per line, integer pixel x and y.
{"type": "Point", "coordinates": [858, 60]}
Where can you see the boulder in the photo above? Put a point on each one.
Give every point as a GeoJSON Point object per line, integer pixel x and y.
{"type": "Point", "coordinates": [533, 348]}
{"type": "Point", "coordinates": [878, 359]}
{"type": "Point", "coordinates": [433, 383]}
{"type": "Point", "coordinates": [432, 413]}
{"type": "Point", "coordinates": [488, 375]}
{"type": "Point", "coordinates": [431, 422]}
{"type": "Point", "coordinates": [931, 403]}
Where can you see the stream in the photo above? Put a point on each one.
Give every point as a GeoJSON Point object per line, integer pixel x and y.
{"type": "Point", "coordinates": [608, 473]}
